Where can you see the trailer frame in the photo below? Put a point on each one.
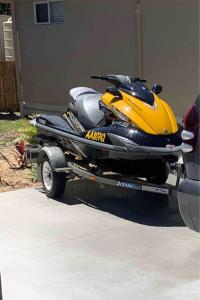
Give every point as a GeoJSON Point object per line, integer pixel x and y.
{"type": "Point", "coordinates": [65, 166]}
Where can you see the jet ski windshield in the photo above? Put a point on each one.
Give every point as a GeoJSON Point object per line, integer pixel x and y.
{"type": "Point", "coordinates": [139, 91]}
{"type": "Point", "coordinates": [132, 86]}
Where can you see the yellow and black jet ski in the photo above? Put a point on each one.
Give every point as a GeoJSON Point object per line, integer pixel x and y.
{"type": "Point", "coordinates": [129, 129]}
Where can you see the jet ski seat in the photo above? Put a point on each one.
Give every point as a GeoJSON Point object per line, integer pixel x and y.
{"type": "Point", "coordinates": [86, 105]}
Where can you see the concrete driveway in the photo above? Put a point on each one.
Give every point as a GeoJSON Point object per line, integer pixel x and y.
{"type": "Point", "coordinates": [109, 245]}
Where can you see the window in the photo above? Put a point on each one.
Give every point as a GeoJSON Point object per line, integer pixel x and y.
{"type": "Point", "coordinates": [49, 12]}
{"type": "Point", "coordinates": [42, 15]}
{"type": "Point", "coordinates": [56, 11]}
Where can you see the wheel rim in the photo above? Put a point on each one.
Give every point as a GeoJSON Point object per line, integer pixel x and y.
{"type": "Point", "coordinates": [47, 175]}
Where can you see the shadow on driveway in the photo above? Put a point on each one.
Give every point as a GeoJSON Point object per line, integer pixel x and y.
{"type": "Point", "coordinates": [141, 207]}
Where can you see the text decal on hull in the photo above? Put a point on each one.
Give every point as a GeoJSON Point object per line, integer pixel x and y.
{"type": "Point", "coordinates": [96, 136]}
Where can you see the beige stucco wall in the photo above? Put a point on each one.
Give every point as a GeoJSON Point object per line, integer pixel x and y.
{"type": "Point", "coordinates": [170, 43]}
{"type": "Point", "coordinates": [101, 36]}
{"type": "Point", "coordinates": [97, 37]}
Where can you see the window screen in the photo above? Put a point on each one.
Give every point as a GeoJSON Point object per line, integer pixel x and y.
{"type": "Point", "coordinates": [56, 11]}
{"type": "Point", "coordinates": [42, 14]}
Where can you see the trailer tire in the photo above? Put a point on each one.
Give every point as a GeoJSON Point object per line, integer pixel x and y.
{"type": "Point", "coordinates": [161, 175]}
{"type": "Point", "coordinates": [53, 183]}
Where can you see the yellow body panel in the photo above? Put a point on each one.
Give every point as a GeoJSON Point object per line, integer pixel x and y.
{"type": "Point", "coordinates": [158, 119]}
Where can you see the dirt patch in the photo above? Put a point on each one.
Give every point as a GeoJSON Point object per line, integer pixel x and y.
{"type": "Point", "coordinates": [11, 176]}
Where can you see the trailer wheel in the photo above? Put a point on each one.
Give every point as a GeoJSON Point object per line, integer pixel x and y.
{"type": "Point", "coordinates": [161, 175]}
{"type": "Point", "coordinates": [53, 183]}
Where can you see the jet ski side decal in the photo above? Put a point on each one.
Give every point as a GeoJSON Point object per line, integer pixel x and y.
{"type": "Point", "coordinates": [96, 136]}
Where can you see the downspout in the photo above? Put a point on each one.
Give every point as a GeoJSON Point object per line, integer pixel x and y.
{"type": "Point", "coordinates": [139, 37]}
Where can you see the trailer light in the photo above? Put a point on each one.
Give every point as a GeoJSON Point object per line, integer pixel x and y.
{"type": "Point", "coordinates": [186, 148]}
{"type": "Point", "coordinates": [191, 124]}
{"type": "Point", "coordinates": [187, 135]}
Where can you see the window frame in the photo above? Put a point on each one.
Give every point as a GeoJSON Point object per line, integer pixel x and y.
{"type": "Point", "coordinates": [49, 12]}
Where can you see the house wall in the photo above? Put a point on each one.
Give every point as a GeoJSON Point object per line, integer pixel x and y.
{"type": "Point", "coordinates": [170, 43]}
{"type": "Point", "coordinates": [3, 19]}
{"type": "Point", "coordinates": [103, 36]}
{"type": "Point", "coordinates": [98, 37]}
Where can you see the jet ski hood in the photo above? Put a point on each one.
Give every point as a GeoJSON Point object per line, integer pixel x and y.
{"type": "Point", "coordinates": [156, 118]}
{"type": "Point", "coordinates": [133, 102]}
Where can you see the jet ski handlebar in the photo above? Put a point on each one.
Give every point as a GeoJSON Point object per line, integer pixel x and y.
{"type": "Point", "coordinates": [113, 79]}
{"type": "Point", "coordinates": [98, 77]}
{"type": "Point", "coordinates": [118, 80]}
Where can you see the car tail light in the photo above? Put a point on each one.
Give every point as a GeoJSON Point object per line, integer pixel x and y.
{"type": "Point", "coordinates": [191, 128]}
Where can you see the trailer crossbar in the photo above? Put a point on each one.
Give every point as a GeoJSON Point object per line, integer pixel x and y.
{"type": "Point", "coordinates": [131, 184]}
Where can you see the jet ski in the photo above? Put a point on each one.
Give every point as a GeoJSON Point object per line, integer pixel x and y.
{"type": "Point", "coordinates": [128, 129]}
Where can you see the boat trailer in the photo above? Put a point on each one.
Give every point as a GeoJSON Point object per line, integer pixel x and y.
{"type": "Point", "coordinates": [59, 170]}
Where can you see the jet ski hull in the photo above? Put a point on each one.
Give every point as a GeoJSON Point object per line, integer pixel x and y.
{"type": "Point", "coordinates": [112, 143]}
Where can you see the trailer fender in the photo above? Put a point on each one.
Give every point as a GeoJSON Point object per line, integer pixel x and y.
{"type": "Point", "coordinates": [56, 158]}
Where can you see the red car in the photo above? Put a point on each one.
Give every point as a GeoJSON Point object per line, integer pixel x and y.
{"type": "Point", "coordinates": [189, 188]}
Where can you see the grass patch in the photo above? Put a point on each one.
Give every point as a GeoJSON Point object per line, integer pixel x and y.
{"type": "Point", "coordinates": [10, 127]}
{"type": "Point", "coordinates": [13, 125]}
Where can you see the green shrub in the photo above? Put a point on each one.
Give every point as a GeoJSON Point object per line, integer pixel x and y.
{"type": "Point", "coordinates": [28, 134]}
